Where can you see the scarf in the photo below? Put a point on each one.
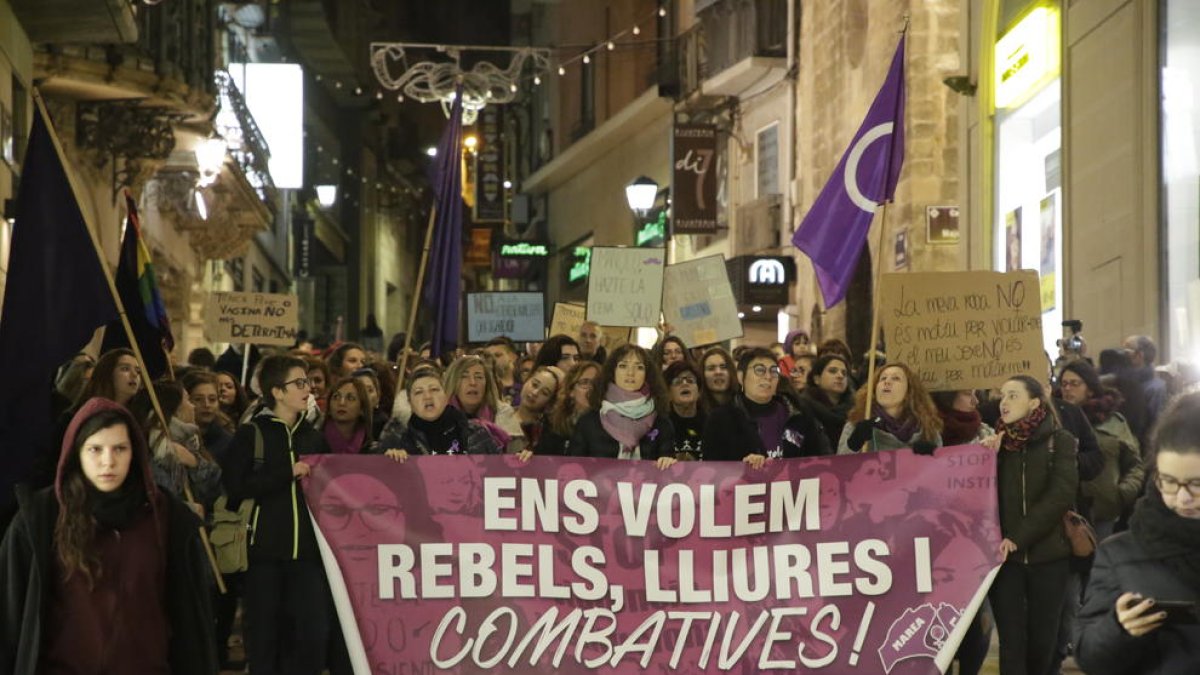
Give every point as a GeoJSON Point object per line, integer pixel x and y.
{"type": "Point", "coordinates": [116, 510]}
{"type": "Point", "coordinates": [1167, 536]}
{"type": "Point", "coordinates": [484, 414]}
{"type": "Point", "coordinates": [627, 416]}
{"type": "Point", "coordinates": [442, 434]}
{"type": "Point", "coordinates": [960, 427]}
{"type": "Point", "coordinates": [343, 445]}
{"type": "Point", "coordinates": [902, 430]}
{"type": "Point", "coordinates": [1099, 408]}
{"type": "Point", "coordinates": [487, 419]}
{"type": "Point", "coordinates": [1017, 434]}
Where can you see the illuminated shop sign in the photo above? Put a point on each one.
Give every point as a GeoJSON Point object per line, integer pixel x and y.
{"type": "Point", "coordinates": [1027, 57]}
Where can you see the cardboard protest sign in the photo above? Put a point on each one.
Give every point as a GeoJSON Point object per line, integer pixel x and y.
{"type": "Point", "coordinates": [625, 288]}
{"type": "Point", "coordinates": [258, 318]}
{"type": "Point", "coordinates": [516, 315]}
{"type": "Point", "coordinates": [568, 318]}
{"type": "Point", "coordinates": [964, 330]}
{"type": "Point", "coordinates": [872, 563]}
{"type": "Point", "coordinates": [698, 302]}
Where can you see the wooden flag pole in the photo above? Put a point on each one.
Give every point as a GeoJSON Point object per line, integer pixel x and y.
{"type": "Point", "coordinates": [876, 303]}
{"type": "Point", "coordinates": [112, 288]}
{"type": "Point", "coordinates": [416, 301]}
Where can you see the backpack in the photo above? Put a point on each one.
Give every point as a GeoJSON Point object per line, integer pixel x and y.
{"type": "Point", "coordinates": [230, 534]}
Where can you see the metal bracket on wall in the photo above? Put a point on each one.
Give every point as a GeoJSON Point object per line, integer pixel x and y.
{"type": "Point", "coordinates": [126, 131]}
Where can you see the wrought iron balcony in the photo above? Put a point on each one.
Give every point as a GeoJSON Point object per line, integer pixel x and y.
{"type": "Point", "coordinates": [733, 43]}
{"type": "Point", "coordinates": [242, 136]}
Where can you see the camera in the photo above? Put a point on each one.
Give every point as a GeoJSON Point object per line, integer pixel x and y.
{"type": "Point", "coordinates": [1072, 343]}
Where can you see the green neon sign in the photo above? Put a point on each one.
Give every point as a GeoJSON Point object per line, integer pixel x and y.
{"type": "Point", "coordinates": [653, 230]}
{"type": "Point", "coordinates": [582, 266]}
{"type": "Point", "coordinates": [524, 250]}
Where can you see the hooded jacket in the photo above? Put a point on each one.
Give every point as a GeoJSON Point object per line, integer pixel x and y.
{"type": "Point", "coordinates": [27, 566]}
{"type": "Point", "coordinates": [281, 527]}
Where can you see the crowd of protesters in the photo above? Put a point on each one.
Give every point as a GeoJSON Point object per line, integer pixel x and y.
{"type": "Point", "coordinates": [85, 562]}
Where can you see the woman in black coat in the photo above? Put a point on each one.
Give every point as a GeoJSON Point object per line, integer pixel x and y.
{"type": "Point", "coordinates": [628, 417]}
{"type": "Point", "coordinates": [1123, 627]}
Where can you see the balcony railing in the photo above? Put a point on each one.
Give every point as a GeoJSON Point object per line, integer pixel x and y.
{"type": "Point", "coordinates": [734, 30]}
{"type": "Point", "coordinates": [246, 143]}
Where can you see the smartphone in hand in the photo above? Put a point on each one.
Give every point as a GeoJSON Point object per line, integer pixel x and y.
{"type": "Point", "coordinates": [1178, 611]}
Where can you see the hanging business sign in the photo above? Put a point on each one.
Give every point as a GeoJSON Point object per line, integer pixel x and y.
{"type": "Point", "coordinates": [489, 166]}
{"type": "Point", "coordinates": [762, 280]}
{"type": "Point", "coordinates": [304, 242]}
{"type": "Point", "coordinates": [579, 265]}
{"type": "Point", "coordinates": [694, 179]}
{"type": "Point", "coordinates": [653, 233]}
{"type": "Point", "coordinates": [523, 249]}
{"type": "Point", "coordinates": [1027, 58]}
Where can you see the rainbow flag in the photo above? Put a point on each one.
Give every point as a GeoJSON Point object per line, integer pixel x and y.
{"type": "Point", "coordinates": [138, 288]}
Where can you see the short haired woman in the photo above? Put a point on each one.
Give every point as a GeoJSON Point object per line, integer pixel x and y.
{"type": "Point", "coordinates": [435, 427]}
{"type": "Point", "coordinates": [828, 394]}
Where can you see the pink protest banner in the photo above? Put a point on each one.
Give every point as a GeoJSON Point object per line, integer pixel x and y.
{"type": "Point", "coordinates": [867, 563]}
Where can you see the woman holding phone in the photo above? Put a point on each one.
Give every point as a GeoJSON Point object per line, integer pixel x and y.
{"type": "Point", "coordinates": [1139, 610]}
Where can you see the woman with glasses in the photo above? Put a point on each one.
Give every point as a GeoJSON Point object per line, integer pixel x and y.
{"type": "Point", "coordinates": [759, 424]}
{"type": "Point", "coordinates": [287, 610]}
{"type": "Point", "coordinates": [719, 382]}
{"type": "Point", "coordinates": [572, 403]}
{"type": "Point", "coordinates": [1126, 625]}
{"type": "Point", "coordinates": [828, 395]}
{"type": "Point", "coordinates": [1112, 493]}
{"type": "Point", "coordinates": [902, 416]}
{"type": "Point", "coordinates": [685, 388]}
{"type": "Point", "coordinates": [628, 417]}
{"type": "Point", "coordinates": [348, 427]}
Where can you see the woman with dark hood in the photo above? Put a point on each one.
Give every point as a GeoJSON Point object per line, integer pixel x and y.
{"type": "Point", "coordinates": [103, 572]}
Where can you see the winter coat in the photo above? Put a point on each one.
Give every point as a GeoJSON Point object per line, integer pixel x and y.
{"type": "Point", "coordinates": [28, 569]}
{"type": "Point", "coordinates": [730, 433]}
{"type": "Point", "coordinates": [1102, 647]}
{"type": "Point", "coordinates": [1119, 484]}
{"type": "Point", "coordinates": [282, 529]}
{"type": "Point", "coordinates": [831, 417]}
{"type": "Point", "coordinates": [880, 440]}
{"type": "Point", "coordinates": [1037, 486]}
{"type": "Point", "coordinates": [172, 474]}
{"type": "Point", "coordinates": [472, 435]}
{"type": "Point", "coordinates": [591, 440]}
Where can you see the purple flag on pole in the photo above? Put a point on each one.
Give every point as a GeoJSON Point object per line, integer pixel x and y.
{"type": "Point", "coordinates": [835, 228]}
{"type": "Point", "coordinates": [443, 280]}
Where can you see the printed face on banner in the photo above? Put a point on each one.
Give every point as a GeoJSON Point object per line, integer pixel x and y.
{"type": "Point", "coordinates": [870, 563]}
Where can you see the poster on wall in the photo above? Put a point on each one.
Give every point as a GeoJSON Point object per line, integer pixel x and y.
{"type": "Point", "coordinates": [1012, 238]}
{"type": "Point", "coordinates": [1049, 218]}
{"type": "Point", "coordinates": [901, 250]}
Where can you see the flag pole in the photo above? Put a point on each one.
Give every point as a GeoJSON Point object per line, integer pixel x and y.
{"type": "Point", "coordinates": [876, 301]}
{"type": "Point", "coordinates": [416, 301]}
{"type": "Point", "coordinates": [112, 288]}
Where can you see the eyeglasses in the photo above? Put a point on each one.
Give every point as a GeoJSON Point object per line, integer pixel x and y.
{"type": "Point", "coordinates": [300, 382]}
{"type": "Point", "coordinates": [1171, 486]}
{"type": "Point", "coordinates": [764, 371]}
{"type": "Point", "coordinates": [376, 517]}
{"type": "Point", "coordinates": [683, 379]}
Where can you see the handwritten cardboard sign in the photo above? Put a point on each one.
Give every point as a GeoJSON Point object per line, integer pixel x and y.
{"type": "Point", "coordinates": [257, 318]}
{"type": "Point", "coordinates": [626, 285]}
{"type": "Point", "coordinates": [516, 315]}
{"type": "Point", "coordinates": [568, 319]}
{"type": "Point", "coordinates": [964, 330]}
{"type": "Point", "coordinates": [698, 302]}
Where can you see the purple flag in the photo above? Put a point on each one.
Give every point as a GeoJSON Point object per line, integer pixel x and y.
{"type": "Point", "coordinates": [835, 228]}
{"type": "Point", "coordinates": [443, 280]}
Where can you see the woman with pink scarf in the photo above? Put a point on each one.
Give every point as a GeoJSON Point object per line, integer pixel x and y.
{"type": "Point", "coordinates": [628, 417]}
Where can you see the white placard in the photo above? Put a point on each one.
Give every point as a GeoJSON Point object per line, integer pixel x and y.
{"type": "Point", "coordinates": [698, 302]}
{"type": "Point", "coordinates": [625, 288]}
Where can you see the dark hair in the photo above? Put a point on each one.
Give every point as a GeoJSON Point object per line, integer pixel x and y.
{"type": "Point", "coordinates": [678, 368]}
{"type": "Point", "coordinates": [1088, 374]}
{"type": "Point", "coordinates": [395, 347]}
{"type": "Point", "coordinates": [1114, 361]}
{"type": "Point", "coordinates": [503, 341]}
{"type": "Point", "coordinates": [75, 527]}
{"type": "Point", "coordinates": [1146, 347]}
{"type": "Point", "coordinates": [339, 355]}
{"type": "Point", "coordinates": [170, 395]}
{"type": "Point", "coordinates": [551, 352]}
{"type": "Point", "coordinates": [196, 378]}
{"type": "Point", "coordinates": [1036, 390]}
{"type": "Point", "coordinates": [822, 363]}
{"type": "Point", "coordinates": [202, 357]}
{"type": "Point", "coordinates": [751, 355]}
{"type": "Point", "coordinates": [419, 373]}
{"type": "Point", "coordinates": [312, 363]}
{"type": "Point", "coordinates": [365, 414]}
{"type": "Point", "coordinates": [101, 383]}
{"type": "Point", "coordinates": [836, 346]}
{"type": "Point", "coordinates": [562, 416]}
{"type": "Point", "coordinates": [272, 373]}
{"type": "Point", "coordinates": [654, 378]}
{"type": "Point", "coordinates": [658, 349]}
{"type": "Point", "coordinates": [1178, 428]}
